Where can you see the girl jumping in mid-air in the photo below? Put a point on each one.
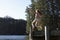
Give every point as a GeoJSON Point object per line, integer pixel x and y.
{"type": "Point", "coordinates": [36, 20]}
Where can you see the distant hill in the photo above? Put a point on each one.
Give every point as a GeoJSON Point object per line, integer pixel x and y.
{"type": "Point", "coordinates": [11, 26]}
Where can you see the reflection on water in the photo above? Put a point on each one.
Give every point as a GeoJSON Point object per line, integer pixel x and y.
{"type": "Point", "coordinates": [12, 37]}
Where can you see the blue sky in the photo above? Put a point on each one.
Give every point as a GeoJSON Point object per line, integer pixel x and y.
{"type": "Point", "coordinates": [14, 8]}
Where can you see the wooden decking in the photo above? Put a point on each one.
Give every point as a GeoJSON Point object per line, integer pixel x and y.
{"type": "Point", "coordinates": [39, 35]}
{"type": "Point", "coordinates": [43, 38]}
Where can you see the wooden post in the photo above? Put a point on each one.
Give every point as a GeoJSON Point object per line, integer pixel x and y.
{"type": "Point", "coordinates": [47, 33]}
{"type": "Point", "coordinates": [30, 35]}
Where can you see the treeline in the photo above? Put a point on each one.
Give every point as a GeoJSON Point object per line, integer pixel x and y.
{"type": "Point", "coordinates": [11, 26]}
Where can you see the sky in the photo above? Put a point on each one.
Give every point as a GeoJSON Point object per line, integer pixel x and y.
{"type": "Point", "coordinates": [14, 8]}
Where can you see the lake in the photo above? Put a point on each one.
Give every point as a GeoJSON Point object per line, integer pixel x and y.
{"type": "Point", "coordinates": [12, 37]}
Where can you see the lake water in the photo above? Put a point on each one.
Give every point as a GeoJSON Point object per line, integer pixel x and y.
{"type": "Point", "coordinates": [12, 37]}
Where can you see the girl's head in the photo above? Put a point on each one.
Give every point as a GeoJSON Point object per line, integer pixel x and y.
{"type": "Point", "coordinates": [38, 11]}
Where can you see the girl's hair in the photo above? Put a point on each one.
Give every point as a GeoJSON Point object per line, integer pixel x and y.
{"type": "Point", "coordinates": [39, 12]}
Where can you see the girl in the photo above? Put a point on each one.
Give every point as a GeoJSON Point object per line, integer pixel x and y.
{"type": "Point", "coordinates": [36, 22]}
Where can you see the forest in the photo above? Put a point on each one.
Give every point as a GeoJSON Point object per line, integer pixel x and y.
{"type": "Point", "coordinates": [11, 26]}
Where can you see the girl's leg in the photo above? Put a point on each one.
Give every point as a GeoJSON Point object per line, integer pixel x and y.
{"type": "Point", "coordinates": [33, 24]}
{"type": "Point", "coordinates": [38, 26]}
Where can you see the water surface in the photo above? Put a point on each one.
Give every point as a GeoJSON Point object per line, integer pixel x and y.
{"type": "Point", "coordinates": [12, 37]}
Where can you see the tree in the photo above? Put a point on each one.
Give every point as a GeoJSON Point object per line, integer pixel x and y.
{"type": "Point", "coordinates": [49, 10]}
{"type": "Point", "coordinates": [36, 4]}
